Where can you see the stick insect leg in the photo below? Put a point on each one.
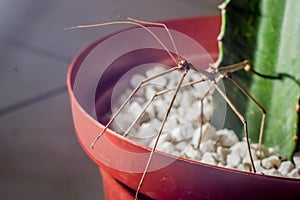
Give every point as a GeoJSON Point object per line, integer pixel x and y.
{"type": "Point", "coordinates": [160, 131]}
{"type": "Point", "coordinates": [158, 24]}
{"type": "Point", "coordinates": [153, 97]}
{"type": "Point", "coordinates": [137, 23]}
{"type": "Point", "coordinates": [128, 99]}
{"type": "Point", "coordinates": [243, 120]}
{"type": "Point", "coordinates": [262, 110]}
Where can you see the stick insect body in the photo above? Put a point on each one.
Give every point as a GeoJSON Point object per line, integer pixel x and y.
{"type": "Point", "coordinates": [212, 74]}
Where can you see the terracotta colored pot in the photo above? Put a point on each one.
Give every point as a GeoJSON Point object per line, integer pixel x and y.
{"type": "Point", "coordinates": [123, 161]}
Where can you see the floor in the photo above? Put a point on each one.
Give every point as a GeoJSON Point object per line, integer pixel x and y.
{"type": "Point", "coordinates": [40, 157]}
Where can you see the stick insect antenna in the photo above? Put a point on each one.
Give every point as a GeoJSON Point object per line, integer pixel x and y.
{"type": "Point", "coordinates": [158, 24]}
{"type": "Point", "coordinates": [136, 23]}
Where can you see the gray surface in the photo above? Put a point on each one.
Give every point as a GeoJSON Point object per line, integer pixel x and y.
{"type": "Point", "coordinates": [40, 157]}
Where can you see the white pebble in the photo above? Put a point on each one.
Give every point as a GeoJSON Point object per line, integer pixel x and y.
{"type": "Point", "coordinates": [196, 106]}
{"type": "Point", "coordinates": [208, 132]}
{"type": "Point", "coordinates": [156, 124]}
{"type": "Point", "coordinates": [216, 156]}
{"type": "Point", "coordinates": [136, 79]}
{"type": "Point", "coordinates": [149, 92]}
{"type": "Point", "coordinates": [145, 130]}
{"type": "Point", "coordinates": [258, 166]}
{"type": "Point", "coordinates": [176, 134]}
{"type": "Point", "coordinates": [285, 167]}
{"type": "Point", "coordinates": [167, 98]}
{"type": "Point", "coordinates": [181, 146]}
{"type": "Point", "coordinates": [296, 160]}
{"type": "Point", "coordinates": [160, 82]}
{"type": "Point", "coordinates": [171, 123]}
{"type": "Point", "coordinates": [294, 173]}
{"type": "Point", "coordinates": [183, 132]}
{"type": "Point", "coordinates": [166, 147]}
{"type": "Point", "coordinates": [194, 116]}
{"type": "Point", "coordinates": [266, 163]}
{"type": "Point", "coordinates": [159, 103]}
{"type": "Point", "coordinates": [246, 159]}
{"type": "Point", "coordinates": [191, 116]}
{"type": "Point", "coordinates": [209, 158]}
{"type": "Point", "coordinates": [233, 160]}
{"type": "Point", "coordinates": [163, 138]}
{"type": "Point", "coordinates": [160, 107]}
{"type": "Point", "coordinates": [192, 153]}
{"type": "Point", "coordinates": [187, 131]}
{"type": "Point", "coordinates": [230, 167]}
{"type": "Point", "coordinates": [172, 83]}
{"type": "Point", "coordinates": [227, 137]}
{"type": "Point", "coordinates": [135, 110]}
{"type": "Point", "coordinates": [244, 167]}
{"type": "Point", "coordinates": [196, 138]}
{"type": "Point", "coordinates": [150, 108]}
{"type": "Point", "coordinates": [271, 172]}
{"type": "Point", "coordinates": [239, 148]}
{"type": "Point", "coordinates": [144, 135]}
{"type": "Point", "coordinates": [208, 146]}
{"type": "Point", "coordinates": [187, 99]}
{"type": "Point", "coordinates": [275, 160]}
{"type": "Point", "coordinates": [154, 71]}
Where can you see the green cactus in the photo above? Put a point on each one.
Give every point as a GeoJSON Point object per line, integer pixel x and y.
{"type": "Point", "coordinates": [266, 32]}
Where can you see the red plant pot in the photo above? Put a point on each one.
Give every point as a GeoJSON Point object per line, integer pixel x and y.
{"type": "Point", "coordinates": [122, 161]}
{"type": "Point", "coordinates": [114, 189]}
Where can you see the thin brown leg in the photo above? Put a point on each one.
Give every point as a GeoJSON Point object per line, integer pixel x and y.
{"type": "Point", "coordinates": [159, 133]}
{"type": "Point", "coordinates": [128, 99]}
{"type": "Point", "coordinates": [262, 110]}
{"type": "Point", "coordinates": [153, 97]}
{"type": "Point", "coordinates": [243, 120]}
{"type": "Point", "coordinates": [158, 24]}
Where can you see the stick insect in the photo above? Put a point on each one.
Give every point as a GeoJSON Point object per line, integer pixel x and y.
{"type": "Point", "coordinates": [212, 74]}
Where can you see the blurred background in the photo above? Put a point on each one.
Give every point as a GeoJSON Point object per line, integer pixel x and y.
{"type": "Point", "coordinates": [40, 157]}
